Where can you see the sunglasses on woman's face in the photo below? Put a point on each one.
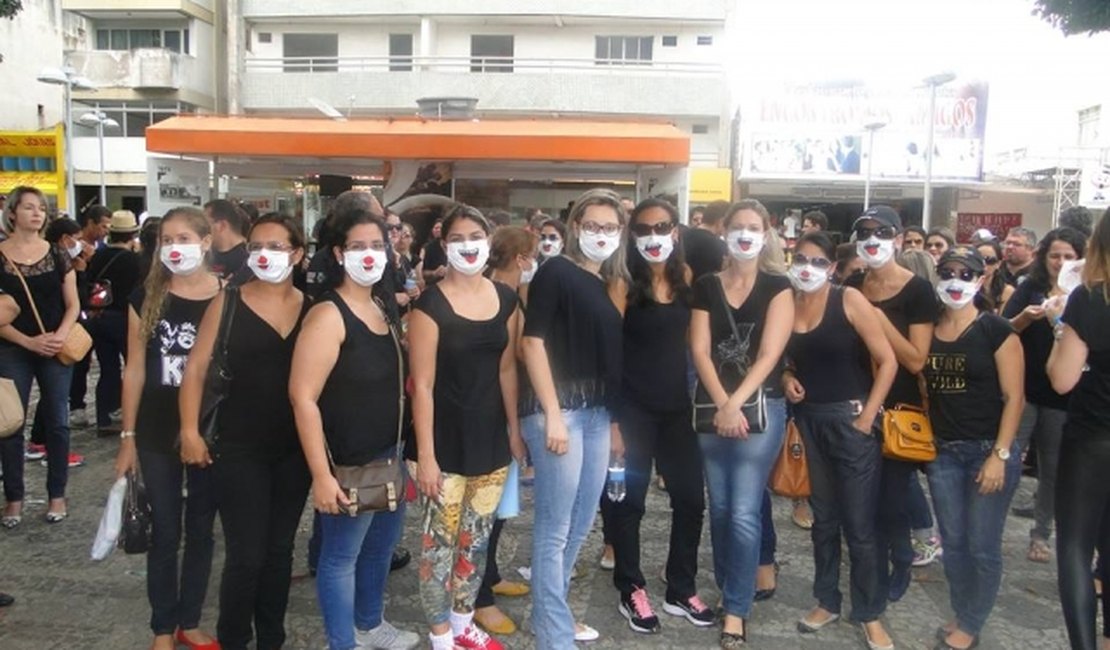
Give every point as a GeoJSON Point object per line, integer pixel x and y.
{"type": "Point", "coordinates": [552, 237]}
{"type": "Point", "coordinates": [882, 232]}
{"type": "Point", "coordinates": [967, 275]}
{"type": "Point", "coordinates": [819, 263]}
{"type": "Point", "coordinates": [990, 260]}
{"type": "Point", "coordinates": [645, 229]}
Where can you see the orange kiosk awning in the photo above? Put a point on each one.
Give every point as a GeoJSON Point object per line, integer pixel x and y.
{"type": "Point", "coordinates": [395, 139]}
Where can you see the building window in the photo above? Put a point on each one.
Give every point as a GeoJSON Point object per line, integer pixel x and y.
{"type": "Point", "coordinates": [623, 50]}
{"type": "Point", "coordinates": [491, 53]}
{"type": "Point", "coordinates": [1089, 119]}
{"type": "Point", "coordinates": [310, 52]}
{"type": "Point", "coordinates": [400, 52]}
{"type": "Point", "coordinates": [265, 37]}
{"type": "Point", "coordinates": [705, 40]}
{"type": "Point", "coordinates": [670, 41]}
{"type": "Point", "coordinates": [133, 117]}
{"type": "Point", "coordinates": [176, 40]}
{"type": "Point", "coordinates": [700, 129]}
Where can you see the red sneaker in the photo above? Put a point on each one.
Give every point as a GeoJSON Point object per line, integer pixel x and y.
{"type": "Point", "coordinates": [35, 452]}
{"type": "Point", "coordinates": [475, 639]}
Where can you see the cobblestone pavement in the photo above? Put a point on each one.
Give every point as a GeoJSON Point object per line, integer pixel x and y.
{"type": "Point", "coordinates": [65, 600]}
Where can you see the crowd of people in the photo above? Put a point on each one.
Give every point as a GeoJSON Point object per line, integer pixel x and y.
{"type": "Point", "coordinates": [617, 335]}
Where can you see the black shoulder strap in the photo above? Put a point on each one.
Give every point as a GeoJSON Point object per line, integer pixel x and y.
{"type": "Point", "coordinates": [728, 307]}
{"type": "Point", "coordinates": [227, 317]}
{"type": "Point", "coordinates": [119, 254]}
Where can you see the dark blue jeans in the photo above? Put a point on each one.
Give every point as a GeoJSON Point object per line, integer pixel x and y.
{"type": "Point", "coordinates": [176, 592]}
{"type": "Point", "coordinates": [893, 522]}
{"type": "Point", "coordinates": [109, 334]}
{"type": "Point", "coordinates": [844, 473]}
{"type": "Point", "coordinates": [971, 525]}
{"type": "Point", "coordinates": [22, 366]}
{"type": "Point", "coordinates": [768, 540]}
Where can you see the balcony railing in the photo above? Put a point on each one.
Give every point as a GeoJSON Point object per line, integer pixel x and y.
{"type": "Point", "coordinates": [145, 68]}
{"type": "Point", "coordinates": [477, 64]}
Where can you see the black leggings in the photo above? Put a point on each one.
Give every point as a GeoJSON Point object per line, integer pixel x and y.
{"type": "Point", "coordinates": [1083, 525]}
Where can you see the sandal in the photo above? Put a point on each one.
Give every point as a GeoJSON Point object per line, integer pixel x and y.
{"type": "Point", "coordinates": [1039, 551]}
{"type": "Point", "coordinates": [11, 521]}
{"type": "Point", "coordinates": [56, 517]}
{"type": "Point", "coordinates": [805, 522]}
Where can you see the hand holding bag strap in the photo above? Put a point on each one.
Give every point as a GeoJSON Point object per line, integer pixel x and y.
{"type": "Point", "coordinates": [27, 290]}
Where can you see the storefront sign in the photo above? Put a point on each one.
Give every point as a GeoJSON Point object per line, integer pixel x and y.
{"type": "Point", "coordinates": [173, 182]}
{"type": "Point", "coordinates": [998, 223]}
{"type": "Point", "coordinates": [34, 158]}
{"type": "Point", "coordinates": [708, 184]}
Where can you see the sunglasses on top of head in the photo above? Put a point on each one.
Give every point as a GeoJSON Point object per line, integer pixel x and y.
{"type": "Point", "coordinates": [819, 263]}
{"type": "Point", "coordinates": [645, 229]}
{"type": "Point", "coordinates": [882, 232]}
{"type": "Point", "coordinates": [967, 275]}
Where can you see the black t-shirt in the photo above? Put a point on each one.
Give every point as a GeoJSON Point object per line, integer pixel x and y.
{"type": "Point", "coordinates": [434, 255]}
{"type": "Point", "coordinates": [1015, 278]}
{"type": "Point", "coordinates": [1088, 314]}
{"type": "Point", "coordinates": [45, 279]}
{"type": "Point", "coordinates": [231, 265]}
{"type": "Point", "coordinates": [655, 355]}
{"type": "Point", "coordinates": [316, 276]}
{"type": "Point", "coordinates": [257, 415]}
{"type": "Point", "coordinates": [569, 308]}
{"type": "Point", "coordinates": [750, 317]}
{"type": "Point", "coordinates": [119, 266]}
{"type": "Point", "coordinates": [965, 398]}
{"type": "Point", "coordinates": [705, 252]}
{"type": "Point", "coordinates": [1036, 341]}
{"type": "Point", "coordinates": [159, 424]}
{"type": "Point", "coordinates": [470, 427]}
{"type": "Point", "coordinates": [915, 304]}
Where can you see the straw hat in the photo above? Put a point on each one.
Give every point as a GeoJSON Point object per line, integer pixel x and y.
{"type": "Point", "coordinates": [123, 221]}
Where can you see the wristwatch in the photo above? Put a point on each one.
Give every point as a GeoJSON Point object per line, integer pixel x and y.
{"type": "Point", "coordinates": [1002, 453]}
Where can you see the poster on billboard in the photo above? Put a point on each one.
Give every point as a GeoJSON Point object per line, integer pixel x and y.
{"type": "Point", "coordinates": [819, 131]}
{"type": "Point", "coordinates": [999, 223]}
{"type": "Point", "coordinates": [1094, 187]}
{"type": "Point", "coordinates": [174, 182]}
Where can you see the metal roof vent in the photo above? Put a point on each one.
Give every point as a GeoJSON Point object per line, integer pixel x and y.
{"type": "Point", "coordinates": [446, 108]}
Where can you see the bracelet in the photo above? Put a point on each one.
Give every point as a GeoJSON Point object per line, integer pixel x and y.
{"type": "Point", "coordinates": [124, 435]}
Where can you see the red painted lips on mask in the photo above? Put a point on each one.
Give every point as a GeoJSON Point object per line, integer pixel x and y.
{"type": "Point", "coordinates": [872, 249]}
{"type": "Point", "coordinates": [745, 244]}
{"type": "Point", "coordinates": [955, 294]}
{"type": "Point", "coordinates": [470, 256]}
{"type": "Point", "coordinates": [654, 251]}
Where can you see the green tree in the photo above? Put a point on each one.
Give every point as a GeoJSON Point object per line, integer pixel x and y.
{"type": "Point", "coordinates": [1075, 16]}
{"type": "Point", "coordinates": [9, 8]}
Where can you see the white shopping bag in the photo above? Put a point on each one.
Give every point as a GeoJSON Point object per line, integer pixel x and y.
{"type": "Point", "coordinates": [111, 521]}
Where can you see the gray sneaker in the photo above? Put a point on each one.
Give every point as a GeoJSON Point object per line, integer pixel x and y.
{"type": "Point", "coordinates": [386, 637]}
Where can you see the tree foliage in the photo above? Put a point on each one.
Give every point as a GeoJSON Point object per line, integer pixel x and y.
{"type": "Point", "coordinates": [9, 8]}
{"type": "Point", "coordinates": [1075, 16]}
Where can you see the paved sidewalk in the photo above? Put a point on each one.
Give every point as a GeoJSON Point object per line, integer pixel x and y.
{"type": "Point", "coordinates": [64, 600]}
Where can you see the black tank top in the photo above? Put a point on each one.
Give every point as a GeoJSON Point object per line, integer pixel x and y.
{"type": "Point", "coordinates": [827, 359]}
{"type": "Point", "coordinates": [359, 402]}
{"type": "Point", "coordinates": [257, 415]}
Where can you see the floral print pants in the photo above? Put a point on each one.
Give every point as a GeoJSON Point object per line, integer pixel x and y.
{"type": "Point", "coordinates": [456, 535]}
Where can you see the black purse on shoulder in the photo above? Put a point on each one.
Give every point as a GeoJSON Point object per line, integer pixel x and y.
{"type": "Point", "coordinates": [217, 382]}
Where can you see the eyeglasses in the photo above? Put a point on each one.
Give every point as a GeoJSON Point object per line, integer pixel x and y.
{"type": "Point", "coordinates": [819, 263]}
{"type": "Point", "coordinates": [395, 227]}
{"type": "Point", "coordinates": [645, 229]}
{"type": "Point", "coordinates": [882, 232]}
{"type": "Point", "coordinates": [594, 227]}
{"type": "Point", "coordinates": [967, 275]}
{"type": "Point", "coordinates": [552, 237]}
{"type": "Point", "coordinates": [362, 246]}
{"type": "Point", "coordinates": [990, 260]}
{"type": "Point", "coordinates": [259, 246]}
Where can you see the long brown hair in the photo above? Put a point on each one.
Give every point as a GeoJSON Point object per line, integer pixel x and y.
{"type": "Point", "coordinates": [616, 267]}
{"type": "Point", "coordinates": [1096, 270]}
{"type": "Point", "coordinates": [157, 283]}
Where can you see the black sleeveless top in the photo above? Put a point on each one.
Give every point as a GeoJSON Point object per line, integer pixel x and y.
{"type": "Point", "coordinates": [470, 427]}
{"type": "Point", "coordinates": [655, 355]}
{"type": "Point", "coordinates": [827, 359]}
{"type": "Point", "coordinates": [257, 415]}
{"type": "Point", "coordinates": [359, 403]}
{"type": "Point", "coordinates": [45, 278]}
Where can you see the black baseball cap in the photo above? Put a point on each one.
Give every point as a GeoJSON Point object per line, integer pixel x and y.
{"type": "Point", "coordinates": [965, 255]}
{"type": "Point", "coordinates": [884, 214]}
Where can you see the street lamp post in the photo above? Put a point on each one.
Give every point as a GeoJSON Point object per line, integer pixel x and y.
{"type": "Point", "coordinates": [100, 121]}
{"type": "Point", "coordinates": [68, 78]}
{"type": "Point", "coordinates": [871, 128]}
{"type": "Point", "coordinates": [933, 83]}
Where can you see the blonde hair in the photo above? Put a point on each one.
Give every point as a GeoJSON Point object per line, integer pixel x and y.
{"type": "Point", "coordinates": [772, 259]}
{"type": "Point", "coordinates": [1096, 270]}
{"type": "Point", "coordinates": [616, 267]}
{"type": "Point", "coordinates": [157, 283]}
{"type": "Point", "coordinates": [920, 263]}
{"type": "Point", "coordinates": [507, 243]}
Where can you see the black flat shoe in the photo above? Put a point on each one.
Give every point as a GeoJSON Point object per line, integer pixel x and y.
{"type": "Point", "coordinates": [401, 559]}
{"type": "Point", "coordinates": [943, 644]}
{"type": "Point", "coordinates": [6, 600]}
{"type": "Point", "coordinates": [764, 594]}
{"type": "Point", "coordinates": [731, 641]}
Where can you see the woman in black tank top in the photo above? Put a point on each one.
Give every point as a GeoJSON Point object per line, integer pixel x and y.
{"type": "Point", "coordinates": [836, 408]}
{"type": "Point", "coordinates": [261, 479]}
{"type": "Point", "coordinates": [345, 385]}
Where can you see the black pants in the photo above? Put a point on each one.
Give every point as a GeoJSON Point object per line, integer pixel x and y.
{"type": "Point", "coordinates": [177, 593]}
{"type": "Point", "coordinates": [492, 575]}
{"type": "Point", "coordinates": [893, 523]}
{"type": "Point", "coordinates": [668, 439]}
{"type": "Point", "coordinates": [844, 473]}
{"type": "Point", "coordinates": [261, 497]}
{"type": "Point", "coordinates": [109, 334]}
{"type": "Point", "coordinates": [1082, 525]}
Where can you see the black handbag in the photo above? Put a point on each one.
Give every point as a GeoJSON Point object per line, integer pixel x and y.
{"type": "Point", "coordinates": [135, 534]}
{"type": "Point", "coordinates": [217, 382]}
{"type": "Point", "coordinates": [379, 485]}
{"type": "Point", "coordinates": [729, 361]}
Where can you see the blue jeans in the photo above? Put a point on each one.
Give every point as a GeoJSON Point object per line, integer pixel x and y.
{"type": "Point", "coordinates": [971, 526]}
{"type": "Point", "coordinates": [921, 517]}
{"type": "Point", "coordinates": [22, 366]}
{"type": "Point", "coordinates": [736, 472]}
{"type": "Point", "coordinates": [354, 564]}
{"type": "Point", "coordinates": [566, 492]}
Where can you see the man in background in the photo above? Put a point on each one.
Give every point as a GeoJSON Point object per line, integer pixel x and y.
{"type": "Point", "coordinates": [814, 221]}
{"type": "Point", "coordinates": [1018, 250]}
{"type": "Point", "coordinates": [229, 240]}
{"type": "Point", "coordinates": [704, 245]}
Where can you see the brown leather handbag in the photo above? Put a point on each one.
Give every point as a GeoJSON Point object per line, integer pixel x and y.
{"type": "Point", "coordinates": [77, 343]}
{"type": "Point", "coordinates": [379, 485]}
{"type": "Point", "coordinates": [790, 475]}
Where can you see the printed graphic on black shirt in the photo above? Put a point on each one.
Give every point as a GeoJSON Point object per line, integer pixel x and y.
{"type": "Point", "coordinates": [733, 361]}
{"type": "Point", "coordinates": [947, 373]}
{"type": "Point", "coordinates": [176, 340]}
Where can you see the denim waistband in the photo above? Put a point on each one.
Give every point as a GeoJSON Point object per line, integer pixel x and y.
{"type": "Point", "coordinates": [573, 395]}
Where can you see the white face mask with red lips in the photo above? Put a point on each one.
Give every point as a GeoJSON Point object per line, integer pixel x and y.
{"type": "Point", "coordinates": [655, 248]}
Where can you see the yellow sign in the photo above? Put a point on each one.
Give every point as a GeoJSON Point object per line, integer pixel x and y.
{"type": "Point", "coordinates": [35, 144]}
{"type": "Point", "coordinates": [708, 184]}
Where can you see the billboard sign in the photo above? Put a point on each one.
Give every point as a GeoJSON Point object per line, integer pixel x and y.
{"type": "Point", "coordinates": [818, 131]}
{"type": "Point", "coordinates": [175, 182]}
{"type": "Point", "coordinates": [999, 223]}
{"type": "Point", "coordinates": [1094, 187]}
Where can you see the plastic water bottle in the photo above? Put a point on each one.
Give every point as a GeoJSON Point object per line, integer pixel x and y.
{"type": "Point", "coordinates": [615, 486]}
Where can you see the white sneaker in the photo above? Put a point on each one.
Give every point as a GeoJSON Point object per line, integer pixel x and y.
{"type": "Point", "coordinates": [386, 637]}
{"type": "Point", "coordinates": [583, 632]}
{"type": "Point", "coordinates": [116, 415]}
